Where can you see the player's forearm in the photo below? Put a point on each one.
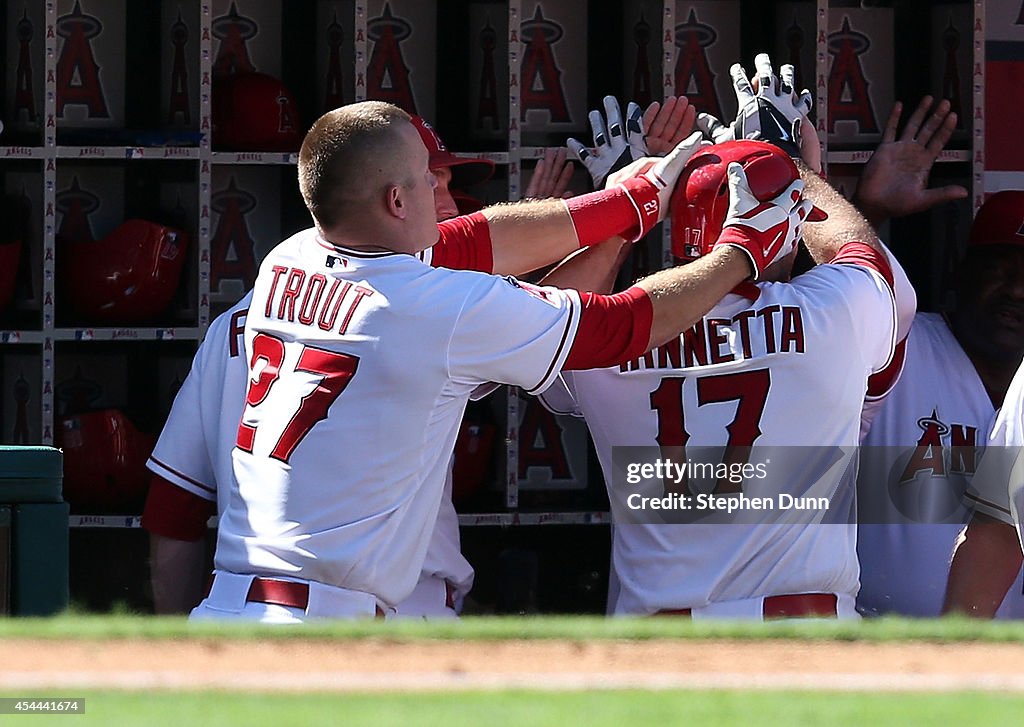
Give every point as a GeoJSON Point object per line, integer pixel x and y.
{"type": "Point", "coordinates": [985, 564]}
{"type": "Point", "coordinates": [680, 296]}
{"type": "Point", "coordinates": [617, 328]}
{"type": "Point", "coordinates": [176, 573]}
{"type": "Point", "coordinates": [592, 269]}
{"type": "Point", "coordinates": [527, 235]}
{"type": "Point", "coordinates": [844, 224]}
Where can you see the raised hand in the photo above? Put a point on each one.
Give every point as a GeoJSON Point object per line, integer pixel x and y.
{"type": "Point", "coordinates": [616, 144]}
{"type": "Point", "coordinates": [667, 123]}
{"type": "Point", "coordinates": [895, 180]}
{"type": "Point", "coordinates": [769, 108]}
{"type": "Point", "coordinates": [551, 175]}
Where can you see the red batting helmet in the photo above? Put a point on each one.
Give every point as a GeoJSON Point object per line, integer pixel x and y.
{"type": "Point", "coordinates": [104, 461]}
{"type": "Point", "coordinates": [465, 172]}
{"type": "Point", "coordinates": [255, 112]}
{"type": "Point", "coordinates": [128, 276]}
{"type": "Point", "coordinates": [700, 201]}
{"type": "Point", "coordinates": [1000, 221]}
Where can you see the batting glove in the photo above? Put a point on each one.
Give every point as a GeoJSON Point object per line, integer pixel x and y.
{"type": "Point", "coordinates": [648, 182]}
{"type": "Point", "coordinates": [773, 114]}
{"type": "Point", "coordinates": [615, 144]}
{"type": "Point", "coordinates": [765, 231]}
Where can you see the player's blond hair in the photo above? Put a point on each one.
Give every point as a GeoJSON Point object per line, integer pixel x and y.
{"type": "Point", "coordinates": [347, 154]}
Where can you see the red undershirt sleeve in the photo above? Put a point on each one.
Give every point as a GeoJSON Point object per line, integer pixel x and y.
{"type": "Point", "coordinates": [175, 512]}
{"type": "Point", "coordinates": [612, 329]}
{"type": "Point", "coordinates": [464, 244]}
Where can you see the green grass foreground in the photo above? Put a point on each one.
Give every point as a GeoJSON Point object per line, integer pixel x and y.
{"type": "Point", "coordinates": [538, 709]}
{"type": "Point", "coordinates": [101, 627]}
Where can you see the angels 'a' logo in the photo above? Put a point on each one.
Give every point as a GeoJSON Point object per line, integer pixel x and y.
{"type": "Point", "coordinates": [75, 205]}
{"type": "Point", "coordinates": [24, 98]}
{"type": "Point", "coordinates": [233, 30]}
{"type": "Point", "coordinates": [487, 107]}
{"type": "Point", "coordinates": [78, 74]}
{"type": "Point", "coordinates": [642, 90]}
{"type": "Point", "coordinates": [951, 73]}
{"type": "Point", "coordinates": [694, 78]}
{"type": "Point", "coordinates": [232, 256]}
{"type": "Point", "coordinates": [334, 95]}
{"type": "Point", "coordinates": [540, 443]}
{"type": "Point", "coordinates": [542, 84]}
{"type": "Point", "coordinates": [930, 454]}
{"type": "Point", "coordinates": [178, 106]}
{"type": "Point", "coordinates": [387, 76]}
{"type": "Point", "coordinates": [848, 98]}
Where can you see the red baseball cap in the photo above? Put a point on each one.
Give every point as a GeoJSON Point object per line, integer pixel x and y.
{"type": "Point", "coordinates": [1000, 221]}
{"type": "Point", "coordinates": [465, 172]}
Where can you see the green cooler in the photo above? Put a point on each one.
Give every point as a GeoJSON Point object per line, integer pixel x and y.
{"type": "Point", "coordinates": [33, 532]}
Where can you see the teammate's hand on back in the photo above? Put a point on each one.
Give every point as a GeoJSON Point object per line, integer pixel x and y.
{"type": "Point", "coordinates": [551, 175]}
{"type": "Point", "coordinates": [649, 181]}
{"type": "Point", "coordinates": [615, 143]}
{"type": "Point", "coordinates": [765, 231]}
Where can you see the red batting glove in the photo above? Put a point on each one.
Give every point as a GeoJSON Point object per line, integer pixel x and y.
{"type": "Point", "coordinates": [765, 231]}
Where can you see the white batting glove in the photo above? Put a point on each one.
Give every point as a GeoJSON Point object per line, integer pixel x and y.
{"type": "Point", "coordinates": [649, 181]}
{"type": "Point", "coordinates": [615, 144]}
{"type": "Point", "coordinates": [774, 113]}
{"type": "Point", "coordinates": [765, 231]}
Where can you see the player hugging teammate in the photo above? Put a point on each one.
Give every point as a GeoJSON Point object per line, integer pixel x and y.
{"type": "Point", "coordinates": [332, 478]}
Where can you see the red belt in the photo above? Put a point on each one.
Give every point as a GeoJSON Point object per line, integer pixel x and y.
{"type": "Point", "coordinates": [281, 593]}
{"type": "Point", "coordinates": [796, 605]}
{"type": "Point", "coordinates": [449, 595]}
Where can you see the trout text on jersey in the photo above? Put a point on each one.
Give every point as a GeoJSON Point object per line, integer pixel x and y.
{"type": "Point", "coordinates": [313, 299]}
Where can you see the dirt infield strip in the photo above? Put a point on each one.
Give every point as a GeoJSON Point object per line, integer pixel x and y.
{"type": "Point", "coordinates": [376, 664]}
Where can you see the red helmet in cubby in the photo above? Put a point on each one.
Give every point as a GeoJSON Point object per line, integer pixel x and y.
{"type": "Point", "coordinates": [104, 461]}
{"type": "Point", "coordinates": [128, 276]}
{"type": "Point", "coordinates": [255, 112]}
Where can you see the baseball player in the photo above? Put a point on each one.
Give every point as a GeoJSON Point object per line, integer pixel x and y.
{"type": "Point", "coordinates": [177, 516]}
{"type": "Point", "coordinates": [732, 382]}
{"type": "Point", "coordinates": [342, 446]}
{"type": "Point", "coordinates": [920, 453]}
{"type": "Point", "coordinates": [190, 461]}
{"type": "Point", "coordinates": [988, 556]}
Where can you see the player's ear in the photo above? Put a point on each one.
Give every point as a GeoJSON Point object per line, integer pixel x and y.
{"type": "Point", "coordinates": [394, 200]}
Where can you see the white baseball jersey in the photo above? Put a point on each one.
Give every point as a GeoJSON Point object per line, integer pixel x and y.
{"type": "Point", "coordinates": [362, 363]}
{"type": "Point", "coordinates": [194, 453]}
{"type": "Point", "coordinates": [998, 486]}
{"type": "Point", "coordinates": [917, 461]}
{"type": "Point", "coordinates": [784, 368]}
